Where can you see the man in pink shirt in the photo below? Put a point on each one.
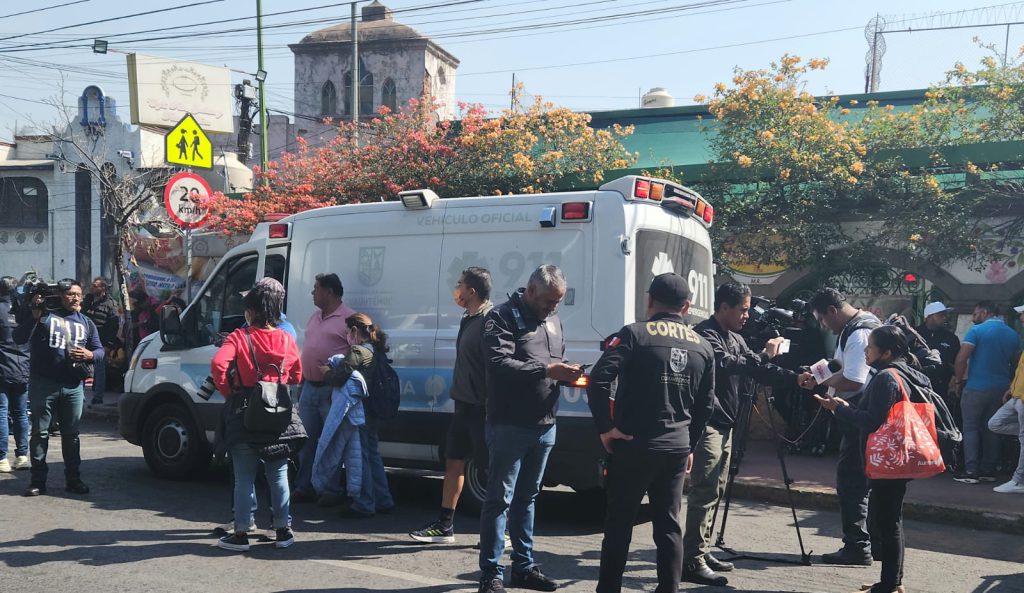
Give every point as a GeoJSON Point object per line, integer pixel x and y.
{"type": "Point", "coordinates": [326, 335]}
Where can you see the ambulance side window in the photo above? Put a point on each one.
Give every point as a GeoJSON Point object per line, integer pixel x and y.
{"type": "Point", "coordinates": [220, 306]}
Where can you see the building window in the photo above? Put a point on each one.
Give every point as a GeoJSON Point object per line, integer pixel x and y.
{"type": "Point", "coordinates": [328, 100]}
{"type": "Point", "coordinates": [389, 95]}
{"type": "Point", "coordinates": [428, 90]}
{"type": "Point", "coordinates": [442, 80]}
{"type": "Point", "coordinates": [23, 200]}
{"type": "Point", "coordinates": [365, 91]}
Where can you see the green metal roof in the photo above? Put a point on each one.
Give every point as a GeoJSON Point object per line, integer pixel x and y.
{"type": "Point", "coordinates": [680, 136]}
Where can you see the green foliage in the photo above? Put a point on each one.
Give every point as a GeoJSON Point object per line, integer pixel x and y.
{"type": "Point", "coordinates": [796, 177]}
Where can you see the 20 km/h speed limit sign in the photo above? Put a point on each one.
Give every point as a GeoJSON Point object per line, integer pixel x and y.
{"type": "Point", "coordinates": [183, 199]}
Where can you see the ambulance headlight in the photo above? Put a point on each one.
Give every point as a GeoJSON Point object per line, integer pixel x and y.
{"type": "Point", "coordinates": [418, 198]}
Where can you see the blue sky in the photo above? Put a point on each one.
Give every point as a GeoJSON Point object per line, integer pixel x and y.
{"type": "Point", "coordinates": [587, 66]}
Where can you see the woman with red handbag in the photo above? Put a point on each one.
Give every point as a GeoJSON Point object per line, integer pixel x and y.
{"type": "Point", "coordinates": [894, 370]}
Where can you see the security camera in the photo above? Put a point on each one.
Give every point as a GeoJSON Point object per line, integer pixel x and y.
{"type": "Point", "coordinates": [126, 154]}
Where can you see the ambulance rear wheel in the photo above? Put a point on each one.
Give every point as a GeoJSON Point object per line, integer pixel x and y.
{"type": "Point", "coordinates": [475, 488]}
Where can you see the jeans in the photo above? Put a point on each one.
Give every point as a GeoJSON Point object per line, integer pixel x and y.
{"type": "Point", "coordinates": [245, 464]}
{"type": "Point", "coordinates": [99, 381]}
{"type": "Point", "coordinates": [707, 485]}
{"type": "Point", "coordinates": [518, 455]}
{"type": "Point", "coordinates": [14, 402]}
{"type": "Point", "coordinates": [1009, 420]}
{"type": "Point", "coordinates": [49, 399]}
{"type": "Point", "coordinates": [374, 494]}
{"type": "Point", "coordinates": [981, 445]}
{"type": "Point", "coordinates": [852, 490]}
{"type": "Point", "coordinates": [634, 471]}
{"type": "Point", "coordinates": [314, 406]}
{"type": "Point", "coordinates": [886, 511]}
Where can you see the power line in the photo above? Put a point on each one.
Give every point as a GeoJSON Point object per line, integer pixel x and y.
{"type": "Point", "coordinates": [7, 16]}
{"type": "Point", "coordinates": [44, 44]}
{"type": "Point", "coordinates": [116, 18]}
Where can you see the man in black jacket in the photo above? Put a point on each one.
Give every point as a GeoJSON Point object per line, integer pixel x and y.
{"type": "Point", "coordinates": [63, 344]}
{"type": "Point", "coordinates": [735, 364]}
{"type": "Point", "coordinates": [102, 309]}
{"type": "Point", "coordinates": [13, 382]}
{"type": "Point", "coordinates": [662, 403]}
{"type": "Point", "coordinates": [525, 352]}
{"type": "Point", "coordinates": [465, 438]}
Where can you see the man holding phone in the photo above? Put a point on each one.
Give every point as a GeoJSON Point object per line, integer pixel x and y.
{"type": "Point", "coordinates": [663, 401]}
{"type": "Point", "coordinates": [524, 348]}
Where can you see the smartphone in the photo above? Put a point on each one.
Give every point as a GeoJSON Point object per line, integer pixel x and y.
{"type": "Point", "coordinates": [584, 367]}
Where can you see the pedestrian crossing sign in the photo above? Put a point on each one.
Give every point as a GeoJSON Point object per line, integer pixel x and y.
{"type": "Point", "coordinates": [188, 145]}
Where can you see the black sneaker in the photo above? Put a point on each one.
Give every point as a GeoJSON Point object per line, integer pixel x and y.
{"type": "Point", "coordinates": [35, 490]}
{"type": "Point", "coordinates": [285, 537]}
{"type": "Point", "coordinates": [699, 573]}
{"type": "Point", "coordinates": [987, 477]}
{"type": "Point", "coordinates": [966, 478]}
{"type": "Point", "coordinates": [848, 557]}
{"type": "Point", "coordinates": [77, 487]}
{"type": "Point", "coordinates": [435, 533]}
{"type": "Point", "coordinates": [532, 578]}
{"type": "Point", "coordinates": [236, 542]}
{"type": "Point", "coordinates": [491, 583]}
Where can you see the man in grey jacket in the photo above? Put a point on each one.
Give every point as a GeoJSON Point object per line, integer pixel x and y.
{"type": "Point", "coordinates": [525, 362]}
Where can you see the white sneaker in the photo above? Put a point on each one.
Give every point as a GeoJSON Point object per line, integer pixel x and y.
{"type": "Point", "coordinates": [21, 462]}
{"type": "Point", "coordinates": [1010, 487]}
{"type": "Point", "coordinates": [5, 466]}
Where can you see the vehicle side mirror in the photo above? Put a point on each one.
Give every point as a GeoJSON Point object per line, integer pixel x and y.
{"type": "Point", "coordinates": [172, 333]}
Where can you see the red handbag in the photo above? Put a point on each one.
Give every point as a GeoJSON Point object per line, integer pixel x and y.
{"type": "Point", "coordinates": [905, 446]}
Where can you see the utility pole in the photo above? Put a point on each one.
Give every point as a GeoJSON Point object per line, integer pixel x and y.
{"type": "Point", "coordinates": [355, 72]}
{"type": "Point", "coordinates": [261, 78]}
{"type": "Point", "coordinates": [512, 99]}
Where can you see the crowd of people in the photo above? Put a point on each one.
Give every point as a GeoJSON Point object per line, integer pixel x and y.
{"type": "Point", "coordinates": [665, 398]}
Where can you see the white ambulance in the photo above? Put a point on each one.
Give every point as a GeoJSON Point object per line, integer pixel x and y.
{"type": "Point", "coordinates": [399, 262]}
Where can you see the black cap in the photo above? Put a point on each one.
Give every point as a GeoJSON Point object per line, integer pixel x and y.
{"type": "Point", "coordinates": [670, 289]}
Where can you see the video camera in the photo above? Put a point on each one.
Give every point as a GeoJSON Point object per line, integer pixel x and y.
{"type": "Point", "coordinates": [767, 320]}
{"type": "Point", "coordinates": [49, 291]}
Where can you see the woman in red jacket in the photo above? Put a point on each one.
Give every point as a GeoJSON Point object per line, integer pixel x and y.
{"type": "Point", "coordinates": [273, 348]}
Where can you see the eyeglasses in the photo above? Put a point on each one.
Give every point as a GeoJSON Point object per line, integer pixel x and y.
{"type": "Point", "coordinates": [73, 295]}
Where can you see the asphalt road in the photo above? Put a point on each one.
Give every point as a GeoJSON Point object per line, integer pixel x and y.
{"type": "Point", "coordinates": [137, 533]}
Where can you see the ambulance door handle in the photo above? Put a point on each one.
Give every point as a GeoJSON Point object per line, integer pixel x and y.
{"type": "Point", "coordinates": [624, 245]}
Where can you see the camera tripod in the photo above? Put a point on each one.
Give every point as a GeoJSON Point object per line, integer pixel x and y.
{"type": "Point", "coordinates": [741, 433]}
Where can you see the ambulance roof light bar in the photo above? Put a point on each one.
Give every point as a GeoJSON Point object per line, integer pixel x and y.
{"type": "Point", "coordinates": [417, 199]}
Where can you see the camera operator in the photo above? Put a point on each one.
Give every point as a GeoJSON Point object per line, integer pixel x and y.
{"type": "Point", "coordinates": [734, 363]}
{"type": "Point", "coordinates": [63, 346]}
{"type": "Point", "coordinates": [853, 326]}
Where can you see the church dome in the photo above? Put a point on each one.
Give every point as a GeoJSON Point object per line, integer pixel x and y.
{"type": "Point", "coordinates": [377, 24]}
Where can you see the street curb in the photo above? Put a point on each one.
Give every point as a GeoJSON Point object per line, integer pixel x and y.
{"type": "Point", "coordinates": [104, 412]}
{"type": "Point", "coordinates": [813, 498]}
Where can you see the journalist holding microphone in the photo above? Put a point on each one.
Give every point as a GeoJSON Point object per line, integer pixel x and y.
{"type": "Point", "coordinates": [735, 364]}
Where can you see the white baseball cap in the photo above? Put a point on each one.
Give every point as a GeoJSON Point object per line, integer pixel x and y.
{"type": "Point", "coordinates": [1019, 309]}
{"type": "Point", "coordinates": [937, 307]}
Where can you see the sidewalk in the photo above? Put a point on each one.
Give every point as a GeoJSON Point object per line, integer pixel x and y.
{"type": "Point", "coordinates": [108, 411]}
{"type": "Point", "coordinates": [938, 499]}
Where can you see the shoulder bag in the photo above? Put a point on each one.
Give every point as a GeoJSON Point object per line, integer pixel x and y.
{"type": "Point", "coordinates": [905, 446]}
{"type": "Point", "coordinates": [268, 406]}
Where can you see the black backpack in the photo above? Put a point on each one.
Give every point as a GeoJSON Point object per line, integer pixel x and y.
{"type": "Point", "coordinates": [859, 322]}
{"type": "Point", "coordinates": [385, 389]}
